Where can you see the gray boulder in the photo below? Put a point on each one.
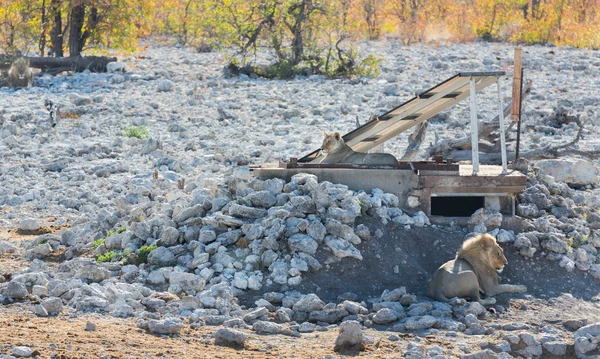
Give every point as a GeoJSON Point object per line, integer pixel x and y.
{"type": "Point", "coordinates": [587, 341]}
{"type": "Point", "coordinates": [237, 210]}
{"type": "Point", "coordinates": [264, 327]}
{"type": "Point", "coordinates": [350, 337]}
{"type": "Point", "coordinates": [303, 243]}
{"type": "Point", "coordinates": [161, 257]}
{"type": "Point", "coordinates": [229, 337]}
{"type": "Point", "coordinates": [342, 248]}
{"type": "Point", "coordinates": [166, 326]}
{"type": "Point", "coordinates": [16, 290]}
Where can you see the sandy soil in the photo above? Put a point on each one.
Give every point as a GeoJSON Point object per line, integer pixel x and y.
{"type": "Point", "coordinates": [541, 310]}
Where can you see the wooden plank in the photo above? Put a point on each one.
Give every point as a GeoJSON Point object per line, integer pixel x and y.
{"type": "Point", "coordinates": [517, 80]}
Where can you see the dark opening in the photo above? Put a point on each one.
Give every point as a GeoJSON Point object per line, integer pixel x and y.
{"type": "Point", "coordinates": [456, 206]}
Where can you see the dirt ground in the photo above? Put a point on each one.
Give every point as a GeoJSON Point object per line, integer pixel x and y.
{"type": "Point", "coordinates": [554, 297]}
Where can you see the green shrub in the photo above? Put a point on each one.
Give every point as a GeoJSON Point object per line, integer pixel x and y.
{"type": "Point", "coordinates": [121, 230]}
{"type": "Point", "coordinates": [98, 242]}
{"type": "Point", "coordinates": [142, 253]}
{"type": "Point", "coordinates": [106, 257]}
{"type": "Point", "coordinates": [140, 132]}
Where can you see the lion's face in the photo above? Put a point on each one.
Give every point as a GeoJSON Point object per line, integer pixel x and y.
{"type": "Point", "coordinates": [330, 142]}
{"type": "Point", "coordinates": [496, 256]}
{"type": "Point", "coordinates": [21, 68]}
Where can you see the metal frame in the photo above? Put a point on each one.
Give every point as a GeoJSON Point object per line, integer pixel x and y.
{"type": "Point", "coordinates": [421, 108]}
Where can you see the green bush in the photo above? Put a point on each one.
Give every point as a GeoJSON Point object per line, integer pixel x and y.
{"type": "Point", "coordinates": [106, 257]}
{"type": "Point", "coordinates": [142, 253]}
{"type": "Point", "coordinates": [140, 132]}
{"type": "Point", "coordinates": [121, 230]}
{"type": "Point", "coordinates": [98, 242]}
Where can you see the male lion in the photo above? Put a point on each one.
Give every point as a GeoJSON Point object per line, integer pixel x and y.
{"type": "Point", "coordinates": [472, 271]}
{"type": "Point", "coordinates": [20, 74]}
{"type": "Point", "coordinates": [337, 151]}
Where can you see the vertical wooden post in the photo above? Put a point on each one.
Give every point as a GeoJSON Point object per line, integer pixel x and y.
{"type": "Point", "coordinates": [516, 96]}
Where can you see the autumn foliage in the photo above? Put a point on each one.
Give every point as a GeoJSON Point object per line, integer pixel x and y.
{"type": "Point", "coordinates": [297, 30]}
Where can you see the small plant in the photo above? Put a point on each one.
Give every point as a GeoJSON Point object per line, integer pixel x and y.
{"type": "Point", "coordinates": [98, 242]}
{"type": "Point", "coordinates": [140, 132]}
{"type": "Point", "coordinates": [121, 230]}
{"type": "Point", "coordinates": [106, 257]}
{"type": "Point", "coordinates": [125, 256]}
{"type": "Point", "coordinates": [363, 207]}
{"type": "Point", "coordinates": [144, 251]}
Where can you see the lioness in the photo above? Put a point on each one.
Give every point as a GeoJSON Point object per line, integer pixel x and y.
{"type": "Point", "coordinates": [20, 74]}
{"type": "Point", "coordinates": [337, 151]}
{"type": "Point", "coordinates": [472, 271]}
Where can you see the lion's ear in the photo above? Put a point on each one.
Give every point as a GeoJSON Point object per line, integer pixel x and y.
{"type": "Point", "coordinates": [325, 134]}
{"type": "Point", "coordinates": [337, 136]}
{"type": "Point", "coordinates": [487, 241]}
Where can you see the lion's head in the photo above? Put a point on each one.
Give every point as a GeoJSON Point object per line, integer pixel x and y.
{"type": "Point", "coordinates": [20, 68]}
{"type": "Point", "coordinates": [331, 141]}
{"type": "Point", "coordinates": [484, 249]}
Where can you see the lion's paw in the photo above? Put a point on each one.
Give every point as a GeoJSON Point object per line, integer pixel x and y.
{"type": "Point", "coordinates": [487, 301]}
{"type": "Point", "coordinates": [521, 289]}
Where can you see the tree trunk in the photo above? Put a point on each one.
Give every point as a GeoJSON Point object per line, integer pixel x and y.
{"type": "Point", "coordinates": [77, 19]}
{"type": "Point", "coordinates": [56, 37]}
{"type": "Point", "coordinates": [42, 44]}
{"type": "Point", "coordinates": [54, 66]}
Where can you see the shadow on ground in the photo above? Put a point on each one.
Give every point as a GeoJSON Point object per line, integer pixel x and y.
{"type": "Point", "coordinates": [417, 253]}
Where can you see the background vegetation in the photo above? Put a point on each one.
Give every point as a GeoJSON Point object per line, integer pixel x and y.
{"type": "Point", "coordinates": [304, 35]}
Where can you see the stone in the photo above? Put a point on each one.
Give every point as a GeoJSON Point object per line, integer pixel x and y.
{"type": "Point", "coordinates": [490, 219]}
{"type": "Point", "coordinates": [342, 248]}
{"type": "Point", "coordinates": [307, 327]}
{"type": "Point", "coordinates": [150, 146]}
{"type": "Point", "coordinates": [165, 326]}
{"type": "Point", "coordinates": [385, 316]}
{"type": "Point", "coordinates": [29, 224]}
{"type": "Point", "coordinates": [328, 315]}
{"type": "Point", "coordinates": [262, 199]}
{"type": "Point", "coordinates": [240, 211]}
{"type": "Point", "coordinates": [161, 257]}
{"type": "Point", "coordinates": [264, 327]}
{"type": "Point", "coordinates": [420, 219]}
{"type": "Point", "coordinates": [555, 244]}
{"type": "Point", "coordinates": [558, 348]}
{"type": "Point", "coordinates": [577, 173]}
{"type": "Point", "coordinates": [308, 303]}
{"type": "Point", "coordinates": [587, 339]}
{"type": "Point", "coordinates": [317, 230]}
{"type": "Point", "coordinates": [16, 290]}
{"type": "Point", "coordinates": [363, 232]}
{"type": "Point", "coordinates": [188, 282]}
{"type": "Point", "coordinates": [168, 237]}
{"type": "Point", "coordinates": [39, 251]}
{"type": "Point", "coordinates": [229, 337]}
{"type": "Point", "coordinates": [393, 295]}
{"type": "Point", "coordinates": [533, 346]}
{"type": "Point", "coordinates": [22, 352]}
{"type": "Point", "coordinates": [190, 212]}
{"type": "Point", "coordinates": [420, 323]}
{"type": "Point", "coordinates": [165, 85]}
{"type": "Point", "coordinates": [303, 243]}
{"type": "Point", "coordinates": [52, 305]}
{"type": "Point", "coordinates": [39, 310]}
{"type": "Point", "coordinates": [350, 337]}
{"type": "Point", "coordinates": [90, 327]}
{"type": "Point", "coordinates": [342, 230]}
{"type": "Point", "coordinates": [255, 314]}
